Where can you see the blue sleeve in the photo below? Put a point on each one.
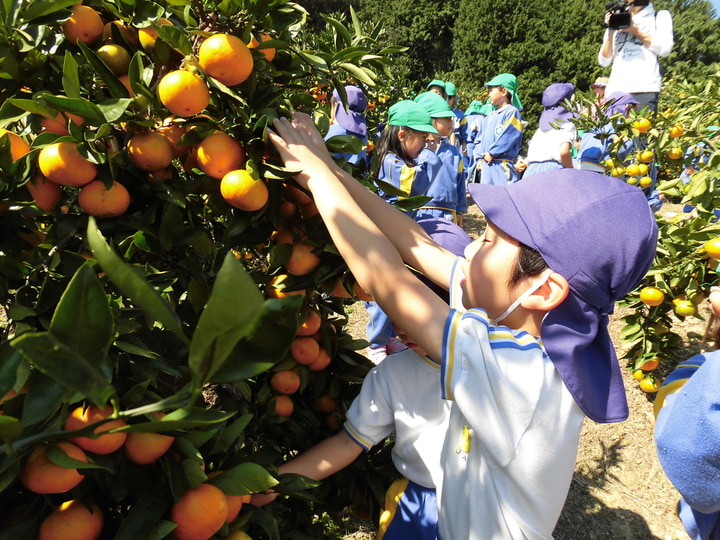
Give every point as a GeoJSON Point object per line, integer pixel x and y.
{"type": "Point", "coordinates": [462, 205]}
{"type": "Point", "coordinates": [412, 180]}
{"type": "Point", "coordinates": [509, 140]}
{"type": "Point", "coordinates": [687, 436]}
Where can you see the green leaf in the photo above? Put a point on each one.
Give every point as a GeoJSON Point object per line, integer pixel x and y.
{"type": "Point", "coordinates": [231, 434]}
{"type": "Point", "coordinates": [70, 77]}
{"type": "Point", "coordinates": [84, 304]}
{"type": "Point", "coordinates": [176, 38]}
{"type": "Point", "coordinates": [314, 60]}
{"type": "Point", "coordinates": [344, 144]}
{"type": "Point", "coordinates": [149, 508]}
{"type": "Point", "coordinates": [114, 85]}
{"type": "Point", "coordinates": [234, 304]}
{"type": "Point", "coordinates": [363, 75]}
{"type": "Point", "coordinates": [57, 455]}
{"type": "Point", "coordinates": [89, 111]}
{"type": "Point", "coordinates": [10, 428]}
{"type": "Point", "coordinates": [339, 27]}
{"type": "Point", "coordinates": [131, 284]}
{"type": "Point", "coordinates": [10, 361]}
{"type": "Point", "coordinates": [272, 333]}
{"type": "Point", "coordinates": [58, 361]}
{"type": "Point", "coordinates": [192, 417]}
{"type": "Point", "coordinates": [244, 479]}
{"type": "Point", "coordinates": [38, 9]}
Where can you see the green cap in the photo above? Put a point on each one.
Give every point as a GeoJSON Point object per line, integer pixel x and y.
{"type": "Point", "coordinates": [450, 88]}
{"type": "Point", "coordinates": [407, 113]}
{"type": "Point", "coordinates": [436, 82]}
{"type": "Point", "coordinates": [435, 105]}
{"type": "Point", "coordinates": [508, 81]}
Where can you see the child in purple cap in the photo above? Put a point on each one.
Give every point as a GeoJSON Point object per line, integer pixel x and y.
{"type": "Point", "coordinates": [549, 148]}
{"type": "Point", "coordinates": [524, 346]}
{"type": "Point", "coordinates": [350, 121]}
{"type": "Point", "coordinates": [398, 396]}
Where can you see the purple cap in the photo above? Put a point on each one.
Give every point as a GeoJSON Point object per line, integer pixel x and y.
{"type": "Point", "coordinates": [447, 234]}
{"type": "Point", "coordinates": [352, 119]}
{"type": "Point", "coordinates": [598, 233]}
{"type": "Point", "coordinates": [618, 102]}
{"type": "Point", "coordinates": [551, 98]}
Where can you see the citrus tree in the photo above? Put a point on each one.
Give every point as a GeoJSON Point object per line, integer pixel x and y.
{"type": "Point", "coordinates": [173, 310]}
{"type": "Point", "coordinates": [681, 143]}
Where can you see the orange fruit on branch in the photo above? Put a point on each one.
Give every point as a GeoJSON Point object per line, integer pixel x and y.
{"type": "Point", "coordinates": [199, 513]}
{"type": "Point", "coordinates": [104, 444]}
{"type": "Point", "coordinates": [648, 385]}
{"type": "Point", "coordinates": [40, 475]}
{"type": "Point", "coordinates": [46, 194]}
{"type": "Point", "coordinates": [268, 53]}
{"type": "Point", "coordinates": [304, 350]}
{"type": "Point", "coordinates": [63, 164]}
{"type": "Point", "coordinates": [285, 381]}
{"type": "Point", "coordinates": [674, 153]}
{"type": "Point", "coordinates": [281, 405]}
{"type": "Point", "coordinates": [58, 125]}
{"type": "Point", "coordinates": [652, 296]}
{"type": "Point", "coordinates": [117, 58]}
{"type": "Point", "coordinates": [712, 248]}
{"type": "Point", "coordinates": [72, 519]}
{"type": "Point", "coordinates": [302, 260]}
{"type": "Point", "coordinates": [219, 154]}
{"type": "Point", "coordinates": [645, 182]}
{"type": "Point", "coordinates": [684, 308]}
{"type": "Point", "coordinates": [148, 35]}
{"type": "Point", "coordinates": [243, 191]}
{"type": "Point", "coordinates": [18, 146]}
{"type": "Point", "coordinates": [645, 156]}
{"type": "Point", "coordinates": [97, 200]}
{"type": "Point", "coordinates": [183, 93]}
{"type": "Point", "coordinates": [642, 124]}
{"type": "Point", "coordinates": [676, 131]}
{"type": "Point", "coordinates": [85, 24]}
{"type": "Point", "coordinates": [150, 151]}
{"type": "Point", "coordinates": [226, 58]}
{"type": "Point", "coordinates": [311, 324]}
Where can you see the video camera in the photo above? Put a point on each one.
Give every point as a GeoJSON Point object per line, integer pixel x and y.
{"type": "Point", "coordinates": [620, 16]}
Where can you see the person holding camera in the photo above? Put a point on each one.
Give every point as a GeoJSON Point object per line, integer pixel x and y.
{"type": "Point", "coordinates": [635, 37]}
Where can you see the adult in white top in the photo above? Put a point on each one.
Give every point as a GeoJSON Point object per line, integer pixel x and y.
{"type": "Point", "coordinates": [634, 51]}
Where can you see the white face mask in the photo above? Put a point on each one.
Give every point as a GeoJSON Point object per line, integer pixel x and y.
{"type": "Point", "coordinates": [534, 287]}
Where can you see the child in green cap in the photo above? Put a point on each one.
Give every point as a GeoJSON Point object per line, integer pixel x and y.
{"type": "Point", "coordinates": [448, 189]}
{"type": "Point", "coordinates": [501, 133]}
{"type": "Point", "coordinates": [398, 149]}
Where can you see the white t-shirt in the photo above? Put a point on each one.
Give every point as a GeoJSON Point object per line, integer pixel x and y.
{"type": "Point", "coordinates": [635, 68]}
{"type": "Point", "coordinates": [512, 440]}
{"type": "Point", "coordinates": [545, 145]}
{"type": "Point", "coordinates": [401, 394]}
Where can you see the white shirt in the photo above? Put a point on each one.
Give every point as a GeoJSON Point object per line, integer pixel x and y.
{"type": "Point", "coordinates": [545, 145]}
{"type": "Point", "coordinates": [635, 67]}
{"type": "Point", "coordinates": [510, 450]}
{"type": "Point", "coordinates": [402, 394]}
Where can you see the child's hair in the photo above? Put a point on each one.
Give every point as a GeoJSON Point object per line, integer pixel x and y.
{"type": "Point", "coordinates": [390, 143]}
{"type": "Point", "coordinates": [530, 263]}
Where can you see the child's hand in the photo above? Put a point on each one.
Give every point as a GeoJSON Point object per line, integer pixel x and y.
{"type": "Point", "coordinates": [300, 145]}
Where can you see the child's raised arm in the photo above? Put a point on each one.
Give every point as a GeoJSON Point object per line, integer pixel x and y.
{"type": "Point", "coordinates": [356, 219]}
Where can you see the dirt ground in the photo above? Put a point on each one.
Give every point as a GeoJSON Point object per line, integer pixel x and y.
{"type": "Point", "coordinates": [619, 491]}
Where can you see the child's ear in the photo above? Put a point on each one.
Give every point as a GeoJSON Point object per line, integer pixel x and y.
{"type": "Point", "coordinates": [549, 295]}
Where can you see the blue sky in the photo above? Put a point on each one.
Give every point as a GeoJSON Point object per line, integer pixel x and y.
{"type": "Point", "coordinates": [716, 5]}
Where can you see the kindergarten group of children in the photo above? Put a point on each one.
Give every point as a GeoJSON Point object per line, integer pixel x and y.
{"type": "Point", "coordinates": [507, 342]}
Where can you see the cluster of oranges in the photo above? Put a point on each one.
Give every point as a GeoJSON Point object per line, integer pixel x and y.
{"type": "Point", "coordinates": [198, 514]}
{"type": "Point", "coordinates": [65, 165]}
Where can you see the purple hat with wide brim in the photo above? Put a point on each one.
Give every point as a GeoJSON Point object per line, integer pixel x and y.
{"type": "Point", "coordinates": [447, 234]}
{"type": "Point", "coordinates": [554, 112]}
{"type": "Point", "coordinates": [352, 119]}
{"type": "Point", "coordinates": [598, 233]}
{"type": "Point", "coordinates": [618, 103]}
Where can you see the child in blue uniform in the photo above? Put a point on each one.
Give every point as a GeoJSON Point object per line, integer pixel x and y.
{"type": "Point", "coordinates": [687, 435]}
{"type": "Point", "coordinates": [398, 396]}
{"type": "Point", "coordinates": [525, 348]}
{"type": "Point", "coordinates": [350, 121]}
{"type": "Point", "coordinates": [447, 190]}
{"type": "Point", "coordinates": [475, 115]}
{"type": "Point", "coordinates": [459, 135]}
{"type": "Point", "coordinates": [398, 149]}
{"type": "Point", "coordinates": [501, 134]}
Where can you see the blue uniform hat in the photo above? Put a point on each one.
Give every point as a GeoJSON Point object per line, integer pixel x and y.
{"type": "Point", "coordinates": [598, 233]}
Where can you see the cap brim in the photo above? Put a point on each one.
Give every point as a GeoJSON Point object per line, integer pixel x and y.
{"type": "Point", "coordinates": [497, 205]}
{"type": "Point", "coordinates": [425, 128]}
